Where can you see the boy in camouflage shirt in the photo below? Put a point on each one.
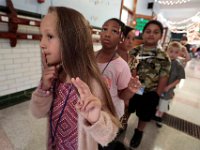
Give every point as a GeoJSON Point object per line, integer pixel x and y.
{"type": "Point", "coordinates": [153, 71]}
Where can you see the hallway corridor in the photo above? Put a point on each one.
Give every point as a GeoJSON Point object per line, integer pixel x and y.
{"type": "Point", "coordinates": [20, 131]}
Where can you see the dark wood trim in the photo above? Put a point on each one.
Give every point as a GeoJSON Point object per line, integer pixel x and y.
{"type": "Point", "coordinates": [22, 36]}
{"type": "Point", "coordinates": [97, 28]}
{"type": "Point", "coordinates": [164, 36]}
{"type": "Point", "coordinates": [134, 13]}
{"type": "Point", "coordinates": [120, 14]}
{"type": "Point", "coordinates": [129, 11]}
{"type": "Point", "coordinates": [134, 9]}
{"type": "Point", "coordinates": [12, 19]}
{"type": "Point", "coordinates": [22, 12]}
{"type": "Point", "coordinates": [144, 16]}
{"type": "Point", "coordinates": [23, 21]}
{"type": "Point", "coordinates": [15, 98]}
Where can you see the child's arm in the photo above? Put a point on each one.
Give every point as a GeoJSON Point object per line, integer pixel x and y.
{"type": "Point", "coordinates": [161, 85]}
{"type": "Point", "coordinates": [164, 75]}
{"type": "Point", "coordinates": [42, 97]}
{"type": "Point", "coordinates": [172, 85]}
{"type": "Point", "coordinates": [97, 121]}
{"type": "Point", "coordinates": [133, 86]}
{"type": "Point", "coordinates": [40, 103]}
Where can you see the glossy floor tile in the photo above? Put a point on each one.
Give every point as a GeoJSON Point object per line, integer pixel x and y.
{"type": "Point", "coordinates": [186, 103]}
{"type": "Point", "coordinates": [165, 138]}
{"type": "Point", "coordinates": [19, 130]}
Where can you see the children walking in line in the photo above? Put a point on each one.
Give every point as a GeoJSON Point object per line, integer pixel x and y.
{"type": "Point", "coordinates": [114, 69]}
{"type": "Point", "coordinates": [153, 71]}
{"type": "Point", "coordinates": [176, 74]}
{"type": "Point", "coordinates": [72, 93]}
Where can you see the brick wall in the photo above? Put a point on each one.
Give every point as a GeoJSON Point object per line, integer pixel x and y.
{"type": "Point", "coordinates": [20, 66]}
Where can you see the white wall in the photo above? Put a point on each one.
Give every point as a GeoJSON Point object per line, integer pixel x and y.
{"type": "Point", "coordinates": [142, 7]}
{"type": "Point", "coordinates": [20, 66]}
{"type": "Point", "coordinates": [95, 11]}
{"type": "Point", "coordinates": [129, 4]}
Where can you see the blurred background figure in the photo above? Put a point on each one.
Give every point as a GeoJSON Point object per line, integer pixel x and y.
{"type": "Point", "coordinates": [184, 41]}
{"type": "Point", "coordinates": [184, 56]}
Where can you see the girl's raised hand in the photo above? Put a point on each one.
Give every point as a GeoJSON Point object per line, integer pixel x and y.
{"type": "Point", "coordinates": [49, 73]}
{"type": "Point", "coordinates": [88, 106]}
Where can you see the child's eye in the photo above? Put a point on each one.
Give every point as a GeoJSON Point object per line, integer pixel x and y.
{"type": "Point", "coordinates": [104, 29]}
{"type": "Point", "coordinates": [115, 31]}
{"type": "Point", "coordinates": [130, 38]}
{"type": "Point", "coordinates": [148, 31]}
{"type": "Point", "coordinates": [50, 36]}
{"type": "Point", "coordinates": [156, 32]}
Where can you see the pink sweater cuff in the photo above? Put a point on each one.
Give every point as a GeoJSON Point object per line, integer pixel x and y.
{"type": "Point", "coordinates": [103, 131]}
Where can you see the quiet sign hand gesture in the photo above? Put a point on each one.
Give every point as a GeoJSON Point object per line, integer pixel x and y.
{"type": "Point", "coordinates": [49, 73]}
{"type": "Point", "coordinates": [88, 106]}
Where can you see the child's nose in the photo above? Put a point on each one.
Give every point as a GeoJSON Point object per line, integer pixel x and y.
{"type": "Point", "coordinates": [42, 43]}
{"type": "Point", "coordinates": [151, 33]}
{"type": "Point", "coordinates": [108, 33]}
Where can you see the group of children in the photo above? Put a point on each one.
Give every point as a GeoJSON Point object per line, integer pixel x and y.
{"type": "Point", "coordinates": [85, 94]}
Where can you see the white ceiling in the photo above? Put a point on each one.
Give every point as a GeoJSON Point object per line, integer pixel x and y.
{"type": "Point", "coordinates": [178, 12]}
{"type": "Point", "coordinates": [179, 18]}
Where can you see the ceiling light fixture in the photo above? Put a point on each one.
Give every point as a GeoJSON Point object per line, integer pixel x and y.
{"type": "Point", "coordinates": [171, 2]}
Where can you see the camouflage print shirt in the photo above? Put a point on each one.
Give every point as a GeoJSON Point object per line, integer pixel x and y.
{"type": "Point", "coordinates": [153, 64]}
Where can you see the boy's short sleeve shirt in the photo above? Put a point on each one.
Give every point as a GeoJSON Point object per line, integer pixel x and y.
{"type": "Point", "coordinates": [177, 72]}
{"type": "Point", "coordinates": [153, 64]}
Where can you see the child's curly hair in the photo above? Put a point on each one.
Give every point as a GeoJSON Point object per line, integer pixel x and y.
{"type": "Point", "coordinates": [121, 24]}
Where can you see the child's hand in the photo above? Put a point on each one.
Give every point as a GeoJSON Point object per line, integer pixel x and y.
{"type": "Point", "coordinates": [167, 88]}
{"type": "Point", "coordinates": [88, 106]}
{"type": "Point", "coordinates": [134, 84]}
{"type": "Point", "coordinates": [48, 74]}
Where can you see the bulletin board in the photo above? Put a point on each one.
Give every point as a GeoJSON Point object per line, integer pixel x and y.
{"type": "Point", "coordinates": [95, 11]}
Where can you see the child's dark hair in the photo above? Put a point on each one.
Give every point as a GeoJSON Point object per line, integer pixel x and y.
{"type": "Point", "coordinates": [184, 38]}
{"type": "Point", "coordinates": [128, 29]}
{"type": "Point", "coordinates": [121, 24]}
{"type": "Point", "coordinates": [156, 22]}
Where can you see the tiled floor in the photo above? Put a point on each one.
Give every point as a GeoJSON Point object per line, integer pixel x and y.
{"type": "Point", "coordinates": [20, 131]}
{"type": "Point", "coordinates": [186, 104]}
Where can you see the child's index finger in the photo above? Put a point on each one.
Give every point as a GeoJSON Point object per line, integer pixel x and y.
{"type": "Point", "coordinates": [44, 60]}
{"type": "Point", "coordinates": [78, 86]}
{"type": "Point", "coordinates": [82, 88]}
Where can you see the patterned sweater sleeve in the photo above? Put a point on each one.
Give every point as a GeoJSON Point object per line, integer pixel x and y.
{"type": "Point", "coordinates": [104, 130]}
{"type": "Point", "coordinates": [40, 104]}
